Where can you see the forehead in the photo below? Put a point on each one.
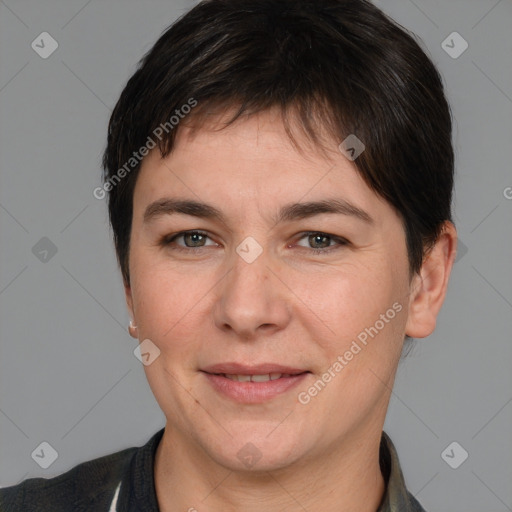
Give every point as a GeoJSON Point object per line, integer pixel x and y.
{"type": "Point", "coordinates": [252, 162]}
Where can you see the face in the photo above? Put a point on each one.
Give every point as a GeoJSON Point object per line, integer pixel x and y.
{"type": "Point", "coordinates": [245, 287]}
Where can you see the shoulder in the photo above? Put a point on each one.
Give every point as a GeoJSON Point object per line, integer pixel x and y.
{"type": "Point", "coordinates": [90, 483]}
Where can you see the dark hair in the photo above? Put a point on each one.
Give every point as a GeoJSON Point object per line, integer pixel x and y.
{"type": "Point", "coordinates": [340, 66]}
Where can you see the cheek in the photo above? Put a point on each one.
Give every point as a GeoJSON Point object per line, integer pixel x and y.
{"type": "Point", "coordinates": [169, 306]}
{"type": "Point", "coordinates": [365, 313]}
{"type": "Point", "coordinates": [350, 298]}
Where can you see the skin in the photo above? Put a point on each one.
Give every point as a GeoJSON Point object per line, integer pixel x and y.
{"type": "Point", "coordinates": [207, 305]}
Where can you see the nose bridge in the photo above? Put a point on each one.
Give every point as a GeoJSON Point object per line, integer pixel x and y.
{"type": "Point", "coordinates": [251, 297]}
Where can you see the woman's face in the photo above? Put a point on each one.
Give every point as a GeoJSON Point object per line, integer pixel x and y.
{"type": "Point", "coordinates": [271, 286]}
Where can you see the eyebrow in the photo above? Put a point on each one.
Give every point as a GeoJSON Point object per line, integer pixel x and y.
{"type": "Point", "coordinates": [290, 212]}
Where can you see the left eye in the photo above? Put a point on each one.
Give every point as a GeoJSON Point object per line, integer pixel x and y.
{"type": "Point", "coordinates": [321, 242]}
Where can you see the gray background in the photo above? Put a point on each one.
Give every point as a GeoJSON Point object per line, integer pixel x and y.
{"type": "Point", "coordinates": [68, 375]}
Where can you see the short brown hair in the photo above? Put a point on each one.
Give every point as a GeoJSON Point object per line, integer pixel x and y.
{"type": "Point", "coordinates": [340, 65]}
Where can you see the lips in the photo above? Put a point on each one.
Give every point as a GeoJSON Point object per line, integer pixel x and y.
{"type": "Point", "coordinates": [256, 378]}
{"type": "Point", "coordinates": [259, 369]}
{"type": "Point", "coordinates": [252, 384]}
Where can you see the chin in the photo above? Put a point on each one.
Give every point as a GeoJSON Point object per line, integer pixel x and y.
{"type": "Point", "coordinates": [258, 452]}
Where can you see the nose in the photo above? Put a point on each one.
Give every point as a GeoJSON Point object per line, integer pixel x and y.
{"type": "Point", "coordinates": [252, 300]}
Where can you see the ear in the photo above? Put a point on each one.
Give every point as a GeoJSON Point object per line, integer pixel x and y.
{"type": "Point", "coordinates": [428, 287]}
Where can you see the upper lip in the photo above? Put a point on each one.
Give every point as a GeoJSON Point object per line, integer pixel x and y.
{"type": "Point", "coordinates": [243, 369]}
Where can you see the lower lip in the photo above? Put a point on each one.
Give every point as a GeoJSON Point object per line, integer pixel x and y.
{"type": "Point", "coordinates": [253, 392]}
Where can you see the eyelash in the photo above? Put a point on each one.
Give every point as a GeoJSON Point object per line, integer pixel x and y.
{"type": "Point", "coordinates": [170, 239]}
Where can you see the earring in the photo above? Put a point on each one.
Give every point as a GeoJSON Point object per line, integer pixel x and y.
{"type": "Point", "coordinates": [132, 329]}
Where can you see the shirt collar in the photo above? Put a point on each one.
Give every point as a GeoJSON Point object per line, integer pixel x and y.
{"type": "Point", "coordinates": [396, 497]}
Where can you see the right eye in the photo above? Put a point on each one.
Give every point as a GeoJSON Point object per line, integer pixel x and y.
{"type": "Point", "coordinates": [192, 240]}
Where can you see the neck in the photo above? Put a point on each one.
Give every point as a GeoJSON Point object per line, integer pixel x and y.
{"type": "Point", "coordinates": [346, 477]}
